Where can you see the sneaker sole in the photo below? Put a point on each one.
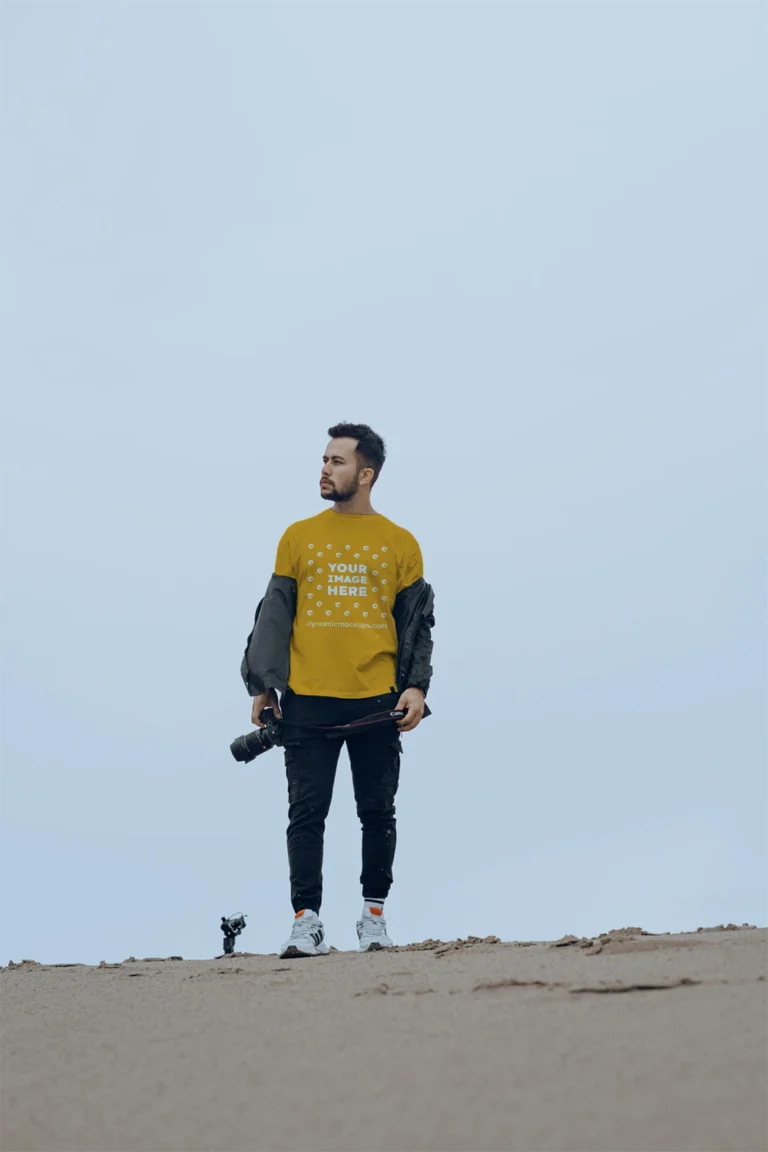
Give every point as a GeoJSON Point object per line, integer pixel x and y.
{"type": "Point", "coordinates": [294, 953]}
{"type": "Point", "coordinates": [376, 947]}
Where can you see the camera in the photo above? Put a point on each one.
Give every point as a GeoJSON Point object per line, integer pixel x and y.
{"type": "Point", "coordinates": [248, 747]}
{"type": "Point", "coordinates": [231, 926]}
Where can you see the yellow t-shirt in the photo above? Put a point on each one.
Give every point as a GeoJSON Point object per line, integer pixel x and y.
{"type": "Point", "coordinates": [348, 570]}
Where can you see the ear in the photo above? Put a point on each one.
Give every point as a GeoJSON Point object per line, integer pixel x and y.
{"type": "Point", "coordinates": [366, 477]}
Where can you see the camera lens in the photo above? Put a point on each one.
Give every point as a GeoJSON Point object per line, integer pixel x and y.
{"type": "Point", "coordinates": [248, 747]}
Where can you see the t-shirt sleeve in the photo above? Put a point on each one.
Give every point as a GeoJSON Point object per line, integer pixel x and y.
{"type": "Point", "coordinates": [284, 565]}
{"type": "Point", "coordinates": [411, 567]}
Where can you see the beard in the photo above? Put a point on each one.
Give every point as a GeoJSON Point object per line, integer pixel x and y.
{"type": "Point", "coordinates": [340, 495]}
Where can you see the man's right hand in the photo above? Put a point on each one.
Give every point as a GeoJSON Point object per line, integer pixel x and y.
{"type": "Point", "coordinates": [266, 700]}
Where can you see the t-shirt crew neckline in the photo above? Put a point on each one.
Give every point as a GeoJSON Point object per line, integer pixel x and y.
{"type": "Point", "coordinates": [352, 515]}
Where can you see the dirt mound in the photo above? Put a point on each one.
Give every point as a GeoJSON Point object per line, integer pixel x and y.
{"type": "Point", "coordinates": [620, 940]}
{"type": "Point", "coordinates": [728, 928]}
{"type": "Point", "coordinates": [441, 947]}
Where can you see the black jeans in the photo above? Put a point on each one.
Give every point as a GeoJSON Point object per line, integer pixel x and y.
{"type": "Point", "coordinates": [310, 760]}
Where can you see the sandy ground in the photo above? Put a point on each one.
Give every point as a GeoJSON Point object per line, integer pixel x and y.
{"type": "Point", "coordinates": [629, 1043]}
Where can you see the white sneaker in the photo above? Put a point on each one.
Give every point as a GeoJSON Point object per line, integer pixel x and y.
{"type": "Point", "coordinates": [372, 932]}
{"type": "Point", "coordinates": [307, 937]}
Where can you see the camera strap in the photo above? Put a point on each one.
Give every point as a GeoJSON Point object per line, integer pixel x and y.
{"type": "Point", "coordinates": [366, 722]}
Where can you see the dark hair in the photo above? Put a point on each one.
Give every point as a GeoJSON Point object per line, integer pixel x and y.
{"type": "Point", "coordinates": [371, 450]}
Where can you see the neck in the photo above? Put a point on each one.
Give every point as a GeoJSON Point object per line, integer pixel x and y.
{"type": "Point", "coordinates": [359, 505]}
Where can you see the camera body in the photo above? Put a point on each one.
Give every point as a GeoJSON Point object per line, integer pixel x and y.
{"type": "Point", "coordinates": [231, 926]}
{"type": "Point", "coordinates": [260, 740]}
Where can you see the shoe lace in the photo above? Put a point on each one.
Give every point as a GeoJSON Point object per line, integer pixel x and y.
{"type": "Point", "coordinates": [301, 927]}
{"type": "Point", "coordinates": [375, 926]}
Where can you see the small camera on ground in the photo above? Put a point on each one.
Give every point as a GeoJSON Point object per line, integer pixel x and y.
{"type": "Point", "coordinates": [231, 926]}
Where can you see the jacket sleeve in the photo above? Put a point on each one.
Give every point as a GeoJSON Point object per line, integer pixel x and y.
{"type": "Point", "coordinates": [414, 620]}
{"type": "Point", "coordinates": [266, 663]}
{"type": "Point", "coordinates": [420, 672]}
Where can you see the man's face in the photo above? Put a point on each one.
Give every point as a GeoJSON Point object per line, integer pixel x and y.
{"type": "Point", "coordinates": [340, 477]}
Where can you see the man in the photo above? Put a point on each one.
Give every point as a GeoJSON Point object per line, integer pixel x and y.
{"type": "Point", "coordinates": [343, 633]}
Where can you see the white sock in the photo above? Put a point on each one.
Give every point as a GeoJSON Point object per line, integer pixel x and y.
{"type": "Point", "coordinates": [373, 907]}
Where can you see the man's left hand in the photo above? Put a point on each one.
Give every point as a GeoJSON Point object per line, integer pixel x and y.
{"type": "Point", "coordinates": [412, 702]}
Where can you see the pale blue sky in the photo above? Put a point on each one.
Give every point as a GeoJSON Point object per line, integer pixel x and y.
{"type": "Point", "coordinates": [527, 243]}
